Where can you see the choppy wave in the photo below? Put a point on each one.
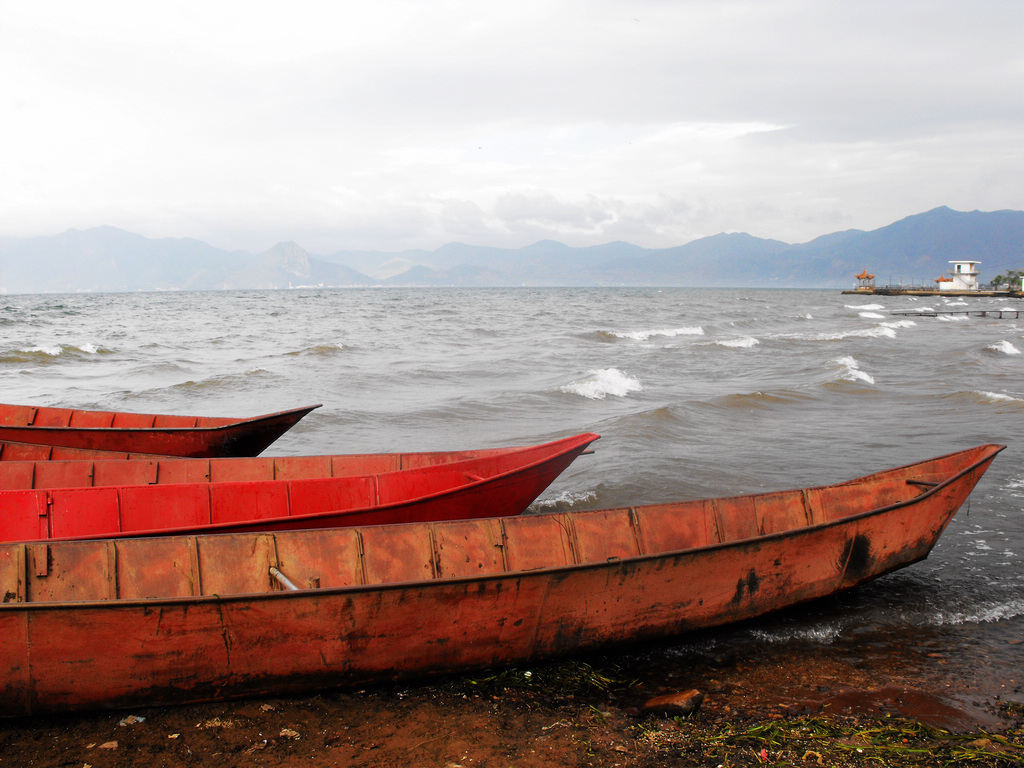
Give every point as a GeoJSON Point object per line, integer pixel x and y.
{"type": "Point", "coordinates": [899, 324]}
{"type": "Point", "coordinates": [865, 307]}
{"type": "Point", "coordinates": [822, 633]}
{"type": "Point", "coordinates": [324, 350]}
{"type": "Point", "coordinates": [563, 501]}
{"type": "Point", "coordinates": [1003, 347]}
{"type": "Point", "coordinates": [759, 400]}
{"type": "Point", "coordinates": [694, 330]}
{"type": "Point", "coordinates": [232, 381]}
{"type": "Point", "coordinates": [745, 342]}
{"type": "Point", "coordinates": [980, 614]}
{"type": "Point", "coordinates": [996, 397]}
{"type": "Point", "coordinates": [1015, 487]}
{"type": "Point", "coordinates": [871, 315]}
{"type": "Point", "coordinates": [849, 370]}
{"type": "Point", "coordinates": [48, 353]}
{"type": "Point", "coordinates": [600, 384]}
{"type": "Point", "coordinates": [884, 330]}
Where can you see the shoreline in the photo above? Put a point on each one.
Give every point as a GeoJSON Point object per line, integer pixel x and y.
{"type": "Point", "coordinates": [781, 704]}
{"type": "Point", "coordinates": [929, 292]}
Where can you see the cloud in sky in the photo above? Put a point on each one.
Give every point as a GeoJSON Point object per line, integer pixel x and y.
{"type": "Point", "coordinates": [391, 125]}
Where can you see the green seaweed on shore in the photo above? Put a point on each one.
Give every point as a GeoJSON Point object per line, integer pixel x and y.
{"type": "Point", "coordinates": [888, 742]}
{"type": "Point", "coordinates": [569, 677]}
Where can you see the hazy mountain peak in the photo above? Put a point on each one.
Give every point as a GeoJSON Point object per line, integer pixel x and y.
{"type": "Point", "coordinates": [916, 249]}
{"type": "Point", "coordinates": [288, 257]}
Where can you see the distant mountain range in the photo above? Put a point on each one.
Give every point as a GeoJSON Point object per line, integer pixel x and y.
{"type": "Point", "coordinates": [914, 250]}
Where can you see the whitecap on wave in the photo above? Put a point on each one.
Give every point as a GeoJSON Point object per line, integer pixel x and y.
{"type": "Point", "coordinates": [564, 500]}
{"type": "Point", "coordinates": [871, 315]}
{"type": "Point", "coordinates": [850, 370]}
{"type": "Point", "coordinates": [878, 332]}
{"type": "Point", "coordinates": [980, 614]}
{"type": "Point", "coordinates": [694, 330]}
{"type": "Point", "coordinates": [745, 342]}
{"type": "Point", "coordinates": [52, 350]}
{"type": "Point", "coordinates": [1004, 347]}
{"type": "Point", "coordinates": [899, 324]}
{"type": "Point", "coordinates": [997, 397]}
{"type": "Point", "coordinates": [865, 307]}
{"type": "Point", "coordinates": [600, 384]}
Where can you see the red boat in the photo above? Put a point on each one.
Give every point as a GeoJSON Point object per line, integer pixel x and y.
{"type": "Point", "coordinates": [141, 622]}
{"type": "Point", "coordinates": [166, 435]}
{"type": "Point", "coordinates": [25, 466]}
{"type": "Point", "coordinates": [498, 482]}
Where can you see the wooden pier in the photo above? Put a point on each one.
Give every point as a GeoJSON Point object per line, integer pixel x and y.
{"type": "Point", "coordinates": [1002, 314]}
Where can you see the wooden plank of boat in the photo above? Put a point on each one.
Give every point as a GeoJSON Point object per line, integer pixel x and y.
{"type": "Point", "coordinates": [160, 434]}
{"type": "Point", "coordinates": [12, 450]}
{"type": "Point", "coordinates": [26, 465]}
{"type": "Point", "coordinates": [133, 622]}
{"type": "Point", "coordinates": [498, 482]}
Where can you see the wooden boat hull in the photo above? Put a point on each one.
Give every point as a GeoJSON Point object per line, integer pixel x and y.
{"type": "Point", "coordinates": [184, 619]}
{"type": "Point", "coordinates": [158, 434]}
{"type": "Point", "coordinates": [498, 482]}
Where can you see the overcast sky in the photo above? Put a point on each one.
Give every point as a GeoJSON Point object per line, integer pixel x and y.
{"type": "Point", "coordinates": [391, 125]}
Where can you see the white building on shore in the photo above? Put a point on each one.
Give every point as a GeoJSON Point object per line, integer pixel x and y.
{"type": "Point", "coordinates": [963, 276]}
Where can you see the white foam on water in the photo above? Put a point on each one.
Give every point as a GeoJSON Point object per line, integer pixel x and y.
{"type": "Point", "coordinates": [1004, 347]}
{"type": "Point", "coordinates": [850, 370]}
{"type": "Point", "coordinates": [981, 614]}
{"type": "Point", "coordinates": [872, 315]}
{"type": "Point", "coordinates": [899, 324]}
{"type": "Point", "coordinates": [600, 384]}
{"type": "Point", "coordinates": [865, 306]}
{"type": "Point", "coordinates": [694, 330]}
{"type": "Point", "coordinates": [565, 498]}
{"type": "Point", "coordinates": [998, 397]}
{"type": "Point", "coordinates": [90, 349]}
{"type": "Point", "coordinates": [822, 634]}
{"type": "Point", "coordinates": [743, 343]}
{"type": "Point", "coordinates": [878, 332]}
{"type": "Point", "coordinates": [53, 349]}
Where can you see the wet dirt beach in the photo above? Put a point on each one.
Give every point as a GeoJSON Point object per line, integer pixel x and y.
{"type": "Point", "coordinates": [783, 706]}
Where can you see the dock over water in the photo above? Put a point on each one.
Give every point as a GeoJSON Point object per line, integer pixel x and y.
{"type": "Point", "coordinates": [1002, 314]}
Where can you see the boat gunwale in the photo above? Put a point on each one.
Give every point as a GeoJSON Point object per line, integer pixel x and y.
{"type": "Point", "coordinates": [266, 523]}
{"type": "Point", "coordinates": [133, 430]}
{"type": "Point", "coordinates": [217, 599]}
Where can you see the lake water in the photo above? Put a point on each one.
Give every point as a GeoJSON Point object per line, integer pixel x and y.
{"type": "Point", "coordinates": [696, 392]}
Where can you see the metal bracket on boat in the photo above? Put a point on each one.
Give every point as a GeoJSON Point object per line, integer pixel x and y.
{"type": "Point", "coordinates": [283, 580]}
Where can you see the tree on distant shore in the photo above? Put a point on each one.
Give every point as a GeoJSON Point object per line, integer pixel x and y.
{"type": "Point", "coordinates": [1009, 281]}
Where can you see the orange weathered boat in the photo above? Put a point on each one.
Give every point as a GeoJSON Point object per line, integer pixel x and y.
{"type": "Point", "coordinates": [213, 498]}
{"type": "Point", "coordinates": [133, 622]}
{"type": "Point", "coordinates": [152, 433]}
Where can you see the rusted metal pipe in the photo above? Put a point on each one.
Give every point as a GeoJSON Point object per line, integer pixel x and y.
{"type": "Point", "coordinates": [283, 580]}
